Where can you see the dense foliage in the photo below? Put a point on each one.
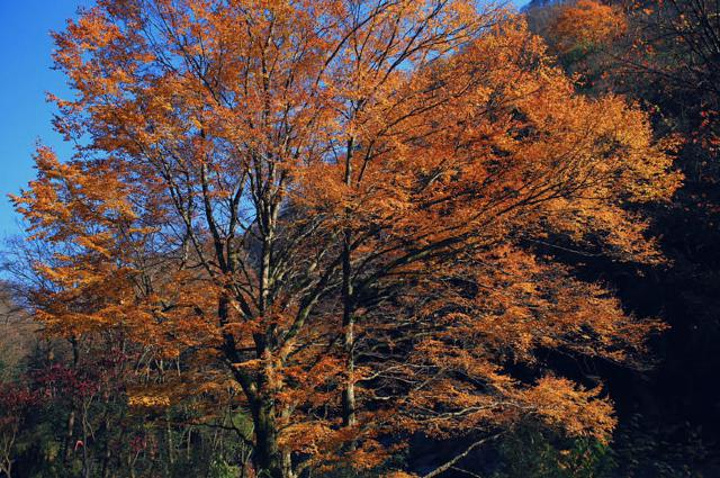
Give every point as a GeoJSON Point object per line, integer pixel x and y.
{"type": "Point", "coordinates": [348, 238]}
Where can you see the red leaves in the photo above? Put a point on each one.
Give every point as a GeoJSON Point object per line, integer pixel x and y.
{"type": "Point", "coordinates": [15, 399]}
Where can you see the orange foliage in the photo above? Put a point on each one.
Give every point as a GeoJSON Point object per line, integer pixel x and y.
{"type": "Point", "coordinates": [328, 202]}
{"type": "Point", "coordinates": [587, 23]}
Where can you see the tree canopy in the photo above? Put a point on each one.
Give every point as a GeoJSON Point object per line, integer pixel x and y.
{"type": "Point", "coordinates": [339, 217]}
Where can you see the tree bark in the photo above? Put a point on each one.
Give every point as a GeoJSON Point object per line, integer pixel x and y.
{"type": "Point", "coordinates": [268, 459]}
{"type": "Point", "coordinates": [348, 397]}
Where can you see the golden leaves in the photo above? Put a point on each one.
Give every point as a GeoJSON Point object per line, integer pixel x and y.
{"type": "Point", "coordinates": [579, 411]}
{"type": "Point", "coordinates": [586, 24]}
{"type": "Point", "coordinates": [148, 401]}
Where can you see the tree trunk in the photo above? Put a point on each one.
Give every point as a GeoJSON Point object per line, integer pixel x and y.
{"type": "Point", "coordinates": [268, 459]}
{"type": "Point", "coordinates": [170, 443]}
{"type": "Point", "coordinates": [67, 452]}
{"type": "Point", "coordinates": [287, 465]}
{"type": "Point", "coordinates": [348, 396]}
{"type": "Point", "coordinates": [86, 465]}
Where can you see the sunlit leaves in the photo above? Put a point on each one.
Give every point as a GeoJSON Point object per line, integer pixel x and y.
{"type": "Point", "coordinates": [248, 166]}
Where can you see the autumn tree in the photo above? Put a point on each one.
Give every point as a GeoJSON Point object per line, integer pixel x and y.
{"type": "Point", "coordinates": [666, 60]}
{"type": "Point", "coordinates": [586, 24]}
{"type": "Point", "coordinates": [675, 51]}
{"type": "Point", "coordinates": [332, 210]}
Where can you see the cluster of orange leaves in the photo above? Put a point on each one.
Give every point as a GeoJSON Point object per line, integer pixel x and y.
{"type": "Point", "coordinates": [587, 24]}
{"type": "Point", "coordinates": [463, 167]}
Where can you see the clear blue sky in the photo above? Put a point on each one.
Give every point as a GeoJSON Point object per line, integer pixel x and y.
{"type": "Point", "coordinates": [25, 76]}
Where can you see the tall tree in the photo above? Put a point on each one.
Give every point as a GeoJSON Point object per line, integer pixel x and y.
{"type": "Point", "coordinates": [336, 204]}
{"type": "Point", "coordinates": [667, 61]}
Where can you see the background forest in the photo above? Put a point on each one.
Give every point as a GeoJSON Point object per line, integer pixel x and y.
{"type": "Point", "coordinates": [353, 239]}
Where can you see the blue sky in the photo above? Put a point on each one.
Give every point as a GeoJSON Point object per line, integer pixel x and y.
{"type": "Point", "coordinates": [25, 76]}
